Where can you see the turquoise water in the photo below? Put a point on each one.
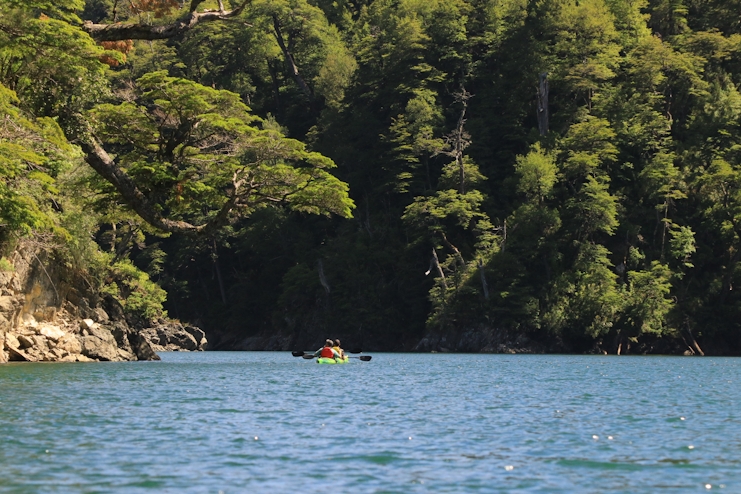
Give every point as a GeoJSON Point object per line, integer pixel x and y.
{"type": "Point", "coordinates": [268, 422]}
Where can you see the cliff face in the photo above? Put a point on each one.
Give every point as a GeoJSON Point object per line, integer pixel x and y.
{"type": "Point", "coordinates": [48, 313]}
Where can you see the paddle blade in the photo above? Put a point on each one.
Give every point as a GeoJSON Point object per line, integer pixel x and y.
{"type": "Point", "coordinates": [365, 358]}
{"type": "Point", "coordinates": [308, 356]}
{"type": "Point", "coordinates": [297, 354]}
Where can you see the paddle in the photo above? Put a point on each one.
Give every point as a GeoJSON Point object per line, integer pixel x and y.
{"type": "Point", "coordinates": [309, 356]}
{"type": "Point", "coordinates": [364, 358]}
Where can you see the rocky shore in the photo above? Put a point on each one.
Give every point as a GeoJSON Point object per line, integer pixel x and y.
{"type": "Point", "coordinates": [479, 340]}
{"type": "Point", "coordinates": [49, 315]}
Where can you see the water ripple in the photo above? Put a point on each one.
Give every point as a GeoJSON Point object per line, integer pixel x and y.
{"type": "Point", "coordinates": [237, 422]}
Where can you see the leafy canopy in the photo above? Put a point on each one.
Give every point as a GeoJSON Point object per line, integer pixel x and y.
{"type": "Point", "coordinates": [199, 156]}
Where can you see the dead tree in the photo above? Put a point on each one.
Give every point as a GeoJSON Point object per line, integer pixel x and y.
{"type": "Point", "coordinates": [458, 140]}
{"type": "Point", "coordinates": [436, 263]}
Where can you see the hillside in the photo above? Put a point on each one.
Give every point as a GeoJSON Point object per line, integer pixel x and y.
{"type": "Point", "coordinates": [437, 175]}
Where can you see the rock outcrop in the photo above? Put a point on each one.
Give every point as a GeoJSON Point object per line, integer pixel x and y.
{"type": "Point", "coordinates": [45, 316]}
{"type": "Point", "coordinates": [173, 336]}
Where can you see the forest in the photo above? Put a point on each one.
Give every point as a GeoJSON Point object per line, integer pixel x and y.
{"type": "Point", "coordinates": [385, 170]}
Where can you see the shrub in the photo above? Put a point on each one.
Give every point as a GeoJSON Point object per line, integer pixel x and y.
{"type": "Point", "coordinates": [6, 265]}
{"type": "Point", "coordinates": [139, 296]}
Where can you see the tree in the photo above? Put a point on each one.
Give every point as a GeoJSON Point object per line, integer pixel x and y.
{"type": "Point", "coordinates": [51, 65]}
{"type": "Point", "coordinates": [32, 154]}
{"type": "Point", "coordinates": [190, 18]}
{"type": "Point", "coordinates": [537, 173]}
{"type": "Point", "coordinates": [584, 300]}
{"type": "Point", "coordinates": [191, 159]}
{"type": "Point", "coordinates": [646, 303]}
{"type": "Point", "coordinates": [586, 49]}
{"type": "Point", "coordinates": [306, 40]}
{"type": "Point", "coordinates": [453, 215]}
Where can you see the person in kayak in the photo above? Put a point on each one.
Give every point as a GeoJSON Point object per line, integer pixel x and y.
{"type": "Point", "coordinates": [337, 349]}
{"type": "Point", "coordinates": [327, 351]}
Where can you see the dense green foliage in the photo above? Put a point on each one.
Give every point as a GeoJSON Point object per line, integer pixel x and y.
{"type": "Point", "coordinates": [617, 229]}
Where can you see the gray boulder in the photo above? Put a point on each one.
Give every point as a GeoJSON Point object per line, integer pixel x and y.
{"type": "Point", "coordinates": [121, 331]}
{"type": "Point", "coordinates": [98, 349]}
{"type": "Point", "coordinates": [69, 343]}
{"type": "Point", "coordinates": [183, 341]}
{"type": "Point", "coordinates": [173, 336]}
{"type": "Point", "coordinates": [199, 335]}
{"type": "Point", "coordinates": [141, 347]}
{"type": "Point", "coordinates": [99, 343]}
{"type": "Point", "coordinates": [100, 315]}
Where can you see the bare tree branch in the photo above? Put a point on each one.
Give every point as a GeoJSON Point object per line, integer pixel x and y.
{"type": "Point", "coordinates": [458, 140]}
{"type": "Point", "coordinates": [122, 31]}
{"type": "Point", "coordinates": [439, 268]}
{"type": "Point", "coordinates": [452, 247]}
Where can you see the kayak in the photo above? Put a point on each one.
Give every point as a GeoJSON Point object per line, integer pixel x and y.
{"type": "Point", "coordinates": [323, 360]}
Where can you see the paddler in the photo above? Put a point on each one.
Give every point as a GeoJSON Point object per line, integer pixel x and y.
{"type": "Point", "coordinates": [327, 351]}
{"type": "Point", "coordinates": [337, 349]}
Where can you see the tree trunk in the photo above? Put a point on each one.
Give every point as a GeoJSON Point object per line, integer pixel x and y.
{"type": "Point", "coordinates": [322, 278]}
{"type": "Point", "coordinates": [455, 250]}
{"type": "Point", "coordinates": [113, 236]}
{"type": "Point", "coordinates": [107, 168]}
{"type": "Point", "coordinates": [663, 231]}
{"type": "Point", "coordinates": [693, 341]}
{"type": "Point", "coordinates": [504, 238]}
{"type": "Point", "coordinates": [218, 274]}
{"type": "Point", "coordinates": [458, 140]}
{"type": "Point", "coordinates": [276, 87]}
{"type": "Point", "coordinates": [439, 268]}
{"type": "Point", "coordinates": [461, 140]}
{"type": "Point", "coordinates": [290, 62]}
{"type": "Point", "coordinates": [484, 285]}
{"type": "Point", "coordinates": [543, 104]}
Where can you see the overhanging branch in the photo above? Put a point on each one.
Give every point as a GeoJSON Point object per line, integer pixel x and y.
{"type": "Point", "coordinates": [106, 167]}
{"type": "Point", "coordinates": [122, 31]}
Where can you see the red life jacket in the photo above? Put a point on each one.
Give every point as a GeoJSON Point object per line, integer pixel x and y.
{"type": "Point", "coordinates": [327, 352]}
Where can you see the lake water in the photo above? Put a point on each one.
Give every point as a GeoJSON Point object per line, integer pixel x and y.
{"type": "Point", "coordinates": [268, 422]}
